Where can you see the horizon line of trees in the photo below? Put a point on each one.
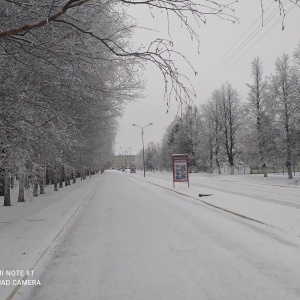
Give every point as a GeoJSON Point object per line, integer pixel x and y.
{"type": "Point", "coordinates": [260, 132]}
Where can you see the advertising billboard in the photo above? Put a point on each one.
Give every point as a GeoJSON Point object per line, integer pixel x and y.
{"type": "Point", "coordinates": [180, 168]}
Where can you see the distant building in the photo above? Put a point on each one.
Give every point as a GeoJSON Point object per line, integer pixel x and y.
{"type": "Point", "coordinates": [123, 161]}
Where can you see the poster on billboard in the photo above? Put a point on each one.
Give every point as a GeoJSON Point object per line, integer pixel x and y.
{"type": "Point", "coordinates": [180, 168]}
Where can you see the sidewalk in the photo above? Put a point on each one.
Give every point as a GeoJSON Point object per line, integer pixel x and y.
{"type": "Point", "coordinates": [28, 229]}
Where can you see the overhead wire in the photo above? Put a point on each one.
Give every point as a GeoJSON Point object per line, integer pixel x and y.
{"type": "Point", "coordinates": [242, 36]}
{"type": "Point", "coordinates": [248, 39]}
{"type": "Point", "coordinates": [232, 57]}
{"type": "Point", "coordinates": [246, 51]}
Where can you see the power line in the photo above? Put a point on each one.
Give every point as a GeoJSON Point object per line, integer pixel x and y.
{"type": "Point", "coordinates": [249, 38]}
{"type": "Point", "coordinates": [220, 60]}
{"type": "Point", "coordinates": [243, 45]}
{"type": "Point", "coordinates": [246, 51]}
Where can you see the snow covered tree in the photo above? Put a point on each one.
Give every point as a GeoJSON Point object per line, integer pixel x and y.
{"type": "Point", "coordinates": [213, 121]}
{"type": "Point", "coordinates": [297, 125]}
{"type": "Point", "coordinates": [261, 132]}
{"type": "Point", "coordinates": [24, 24]}
{"type": "Point", "coordinates": [165, 151]}
{"type": "Point", "coordinates": [60, 101]}
{"type": "Point", "coordinates": [231, 116]}
{"type": "Point", "coordinates": [284, 99]}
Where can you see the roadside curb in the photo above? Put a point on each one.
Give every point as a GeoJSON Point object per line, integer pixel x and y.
{"type": "Point", "coordinates": [211, 205]}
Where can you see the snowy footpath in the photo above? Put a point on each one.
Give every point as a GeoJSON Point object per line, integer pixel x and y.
{"type": "Point", "coordinates": [29, 230]}
{"type": "Point", "coordinates": [120, 236]}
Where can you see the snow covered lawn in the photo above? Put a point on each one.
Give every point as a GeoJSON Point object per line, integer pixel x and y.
{"type": "Point", "coordinates": [276, 203]}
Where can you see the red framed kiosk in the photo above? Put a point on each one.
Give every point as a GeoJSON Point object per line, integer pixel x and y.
{"type": "Point", "coordinates": [180, 168]}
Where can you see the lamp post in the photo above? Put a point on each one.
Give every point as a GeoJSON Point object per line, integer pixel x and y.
{"type": "Point", "coordinates": [125, 154]}
{"type": "Point", "coordinates": [126, 160]}
{"type": "Point", "coordinates": [123, 158]}
{"type": "Point", "coordinates": [128, 154]}
{"type": "Point", "coordinates": [143, 144]}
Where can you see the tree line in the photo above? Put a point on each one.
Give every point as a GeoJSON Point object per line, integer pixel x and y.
{"type": "Point", "coordinates": [61, 94]}
{"type": "Point", "coordinates": [259, 131]}
{"type": "Point", "coordinates": [68, 68]}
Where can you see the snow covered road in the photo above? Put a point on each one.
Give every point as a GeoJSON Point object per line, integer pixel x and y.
{"type": "Point", "coordinates": [134, 240]}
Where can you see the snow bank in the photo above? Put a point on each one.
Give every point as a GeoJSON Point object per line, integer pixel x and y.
{"type": "Point", "coordinates": [271, 205]}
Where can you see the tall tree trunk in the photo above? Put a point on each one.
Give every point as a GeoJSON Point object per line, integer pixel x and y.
{"type": "Point", "coordinates": [21, 197]}
{"type": "Point", "coordinates": [81, 174]}
{"type": "Point", "coordinates": [42, 188]}
{"type": "Point", "coordinates": [290, 174]}
{"type": "Point", "coordinates": [11, 181]}
{"type": "Point", "coordinates": [54, 178]}
{"type": "Point", "coordinates": [231, 164]}
{"type": "Point", "coordinates": [231, 170]}
{"type": "Point", "coordinates": [27, 182]}
{"type": "Point", "coordinates": [55, 181]}
{"type": "Point", "coordinates": [218, 165]}
{"type": "Point", "coordinates": [68, 177]}
{"type": "Point", "coordinates": [211, 154]}
{"type": "Point", "coordinates": [289, 169]}
{"type": "Point", "coordinates": [74, 176]}
{"type": "Point", "coordinates": [288, 150]}
{"type": "Point", "coordinates": [61, 177]}
{"type": "Point", "coordinates": [35, 187]}
{"type": "Point", "coordinates": [55, 185]}
{"type": "Point", "coordinates": [7, 189]}
{"type": "Point", "coordinates": [6, 175]}
{"type": "Point", "coordinates": [2, 172]}
{"type": "Point", "coordinates": [47, 176]}
{"type": "Point", "coordinates": [66, 180]}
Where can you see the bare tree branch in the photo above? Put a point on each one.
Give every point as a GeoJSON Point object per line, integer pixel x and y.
{"type": "Point", "coordinates": [25, 28]}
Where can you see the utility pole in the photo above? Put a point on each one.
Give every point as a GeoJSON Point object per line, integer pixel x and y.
{"type": "Point", "coordinates": [142, 128]}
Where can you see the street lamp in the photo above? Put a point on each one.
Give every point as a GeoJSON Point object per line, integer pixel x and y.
{"type": "Point", "coordinates": [123, 158]}
{"type": "Point", "coordinates": [143, 144]}
{"type": "Point", "coordinates": [125, 154]}
{"type": "Point", "coordinates": [126, 158]}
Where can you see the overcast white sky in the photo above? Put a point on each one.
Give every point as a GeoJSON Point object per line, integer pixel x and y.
{"type": "Point", "coordinates": [239, 42]}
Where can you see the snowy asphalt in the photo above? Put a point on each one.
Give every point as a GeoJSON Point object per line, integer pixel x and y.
{"type": "Point", "coordinates": [134, 240]}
